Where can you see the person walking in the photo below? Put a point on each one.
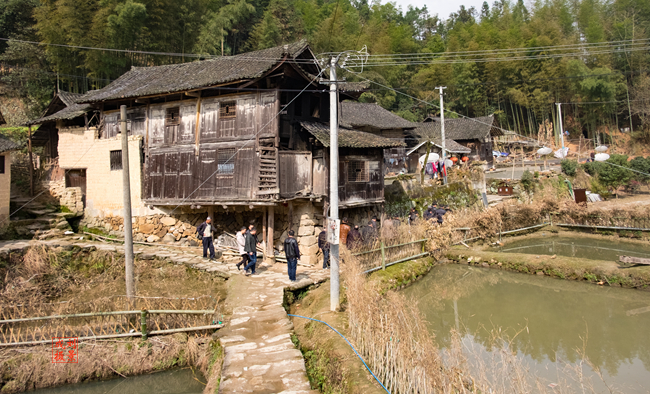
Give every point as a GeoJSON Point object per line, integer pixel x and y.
{"type": "Point", "coordinates": [343, 231]}
{"type": "Point", "coordinates": [324, 247]}
{"type": "Point", "coordinates": [292, 252]}
{"type": "Point", "coordinates": [354, 238]}
{"type": "Point", "coordinates": [204, 232]}
{"type": "Point", "coordinates": [241, 245]}
{"type": "Point", "coordinates": [250, 247]}
{"type": "Point", "coordinates": [413, 216]}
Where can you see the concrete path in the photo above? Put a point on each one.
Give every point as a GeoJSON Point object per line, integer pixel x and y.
{"type": "Point", "coordinates": [259, 354]}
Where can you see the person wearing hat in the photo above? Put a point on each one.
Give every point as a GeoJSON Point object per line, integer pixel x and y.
{"type": "Point", "coordinates": [204, 232]}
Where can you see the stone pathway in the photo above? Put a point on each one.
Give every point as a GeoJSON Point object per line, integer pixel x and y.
{"type": "Point", "coordinates": [259, 354]}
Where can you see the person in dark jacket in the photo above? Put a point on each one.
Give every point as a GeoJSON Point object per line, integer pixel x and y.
{"type": "Point", "coordinates": [370, 233]}
{"type": "Point", "coordinates": [429, 214]}
{"type": "Point", "coordinates": [324, 247]}
{"type": "Point", "coordinates": [440, 212]}
{"type": "Point", "coordinates": [413, 216]}
{"type": "Point", "coordinates": [354, 238]}
{"type": "Point", "coordinates": [250, 247]}
{"type": "Point", "coordinates": [292, 253]}
{"type": "Point", "coordinates": [204, 232]}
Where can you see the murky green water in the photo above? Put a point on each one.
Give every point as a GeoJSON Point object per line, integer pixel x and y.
{"type": "Point", "coordinates": [553, 318]}
{"type": "Point", "coordinates": [583, 247]}
{"type": "Point", "coordinates": [179, 381]}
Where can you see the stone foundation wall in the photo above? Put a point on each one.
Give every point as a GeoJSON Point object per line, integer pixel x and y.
{"type": "Point", "coordinates": [181, 226]}
{"type": "Point", "coordinates": [72, 198]}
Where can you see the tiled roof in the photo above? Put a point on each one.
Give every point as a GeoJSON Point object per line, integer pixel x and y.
{"type": "Point", "coordinates": [71, 110]}
{"type": "Point", "coordinates": [354, 114]}
{"type": "Point", "coordinates": [146, 81]}
{"type": "Point", "coordinates": [450, 145]}
{"type": "Point", "coordinates": [460, 129]}
{"type": "Point", "coordinates": [7, 145]}
{"type": "Point", "coordinates": [349, 138]}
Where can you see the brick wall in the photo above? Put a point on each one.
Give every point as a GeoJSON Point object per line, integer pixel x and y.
{"type": "Point", "coordinates": [80, 149]}
{"type": "Point", "coordinates": [5, 189]}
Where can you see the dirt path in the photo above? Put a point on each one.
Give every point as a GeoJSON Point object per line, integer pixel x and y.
{"type": "Point", "coordinates": [259, 354]}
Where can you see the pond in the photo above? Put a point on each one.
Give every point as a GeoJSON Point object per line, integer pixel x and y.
{"type": "Point", "coordinates": [576, 246]}
{"type": "Point", "coordinates": [547, 319]}
{"type": "Point", "coordinates": [176, 381]}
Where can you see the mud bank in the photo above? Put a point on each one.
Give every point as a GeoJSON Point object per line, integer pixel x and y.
{"type": "Point", "coordinates": [570, 268]}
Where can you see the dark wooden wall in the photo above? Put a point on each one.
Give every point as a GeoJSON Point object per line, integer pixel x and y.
{"type": "Point", "coordinates": [221, 163]}
{"type": "Point", "coordinates": [361, 175]}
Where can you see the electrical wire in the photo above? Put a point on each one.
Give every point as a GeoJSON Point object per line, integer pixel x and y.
{"type": "Point", "coordinates": [248, 141]}
{"type": "Point", "coordinates": [447, 110]}
{"type": "Point", "coordinates": [346, 340]}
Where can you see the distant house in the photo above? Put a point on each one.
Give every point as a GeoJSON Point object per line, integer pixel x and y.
{"type": "Point", "coordinates": [475, 134]}
{"type": "Point", "coordinates": [6, 147]}
{"type": "Point", "coordinates": [222, 137]}
{"type": "Point", "coordinates": [372, 118]}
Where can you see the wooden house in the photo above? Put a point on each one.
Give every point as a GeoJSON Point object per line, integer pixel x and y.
{"type": "Point", "coordinates": [476, 134]}
{"type": "Point", "coordinates": [6, 147]}
{"type": "Point", "coordinates": [230, 137]}
{"type": "Point", "coordinates": [372, 118]}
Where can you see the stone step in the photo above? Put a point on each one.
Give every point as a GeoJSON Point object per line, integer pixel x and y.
{"type": "Point", "coordinates": [41, 212]}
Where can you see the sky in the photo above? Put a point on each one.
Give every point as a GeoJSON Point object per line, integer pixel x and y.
{"type": "Point", "coordinates": [441, 7]}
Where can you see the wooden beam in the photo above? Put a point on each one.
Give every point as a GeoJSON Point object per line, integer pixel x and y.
{"type": "Point", "coordinates": [197, 126]}
{"type": "Point", "coordinates": [193, 94]}
{"type": "Point", "coordinates": [142, 101]}
{"type": "Point", "coordinates": [31, 163]}
{"type": "Point", "coordinates": [269, 243]}
{"type": "Point", "coordinates": [290, 215]}
{"type": "Point", "coordinates": [264, 236]}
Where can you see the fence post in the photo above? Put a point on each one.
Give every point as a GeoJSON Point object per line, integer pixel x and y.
{"type": "Point", "coordinates": [383, 256]}
{"type": "Point", "coordinates": [143, 323]}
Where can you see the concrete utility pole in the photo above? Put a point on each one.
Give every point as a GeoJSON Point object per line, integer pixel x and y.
{"type": "Point", "coordinates": [126, 192]}
{"type": "Point", "coordinates": [334, 186]}
{"type": "Point", "coordinates": [559, 118]}
{"type": "Point", "coordinates": [442, 130]}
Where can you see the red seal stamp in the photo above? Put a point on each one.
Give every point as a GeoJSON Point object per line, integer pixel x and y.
{"type": "Point", "coordinates": [65, 350]}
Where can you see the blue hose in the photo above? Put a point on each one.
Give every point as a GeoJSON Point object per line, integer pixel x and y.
{"type": "Point", "coordinates": [346, 340]}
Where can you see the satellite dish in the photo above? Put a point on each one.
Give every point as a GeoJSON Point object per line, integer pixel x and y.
{"type": "Point", "coordinates": [544, 151]}
{"type": "Point", "coordinates": [601, 149]}
{"type": "Point", "coordinates": [433, 157]}
{"type": "Point", "coordinates": [449, 163]}
{"type": "Point", "coordinates": [601, 156]}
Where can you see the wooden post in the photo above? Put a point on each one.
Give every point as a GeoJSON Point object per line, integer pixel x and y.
{"type": "Point", "coordinates": [143, 324]}
{"type": "Point", "coordinates": [211, 214]}
{"type": "Point", "coordinates": [264, 237]}
{"type": "Point", "coordinates": [269, 242]}
{"type": "Point", "coordinates": [383, 256]}
{"type": "Point", "coordinates": [31, 163]}
{"type": "Point", "coordinates": [290, 215]}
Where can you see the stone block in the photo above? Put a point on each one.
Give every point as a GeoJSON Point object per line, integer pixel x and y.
{"type": "Point", "coordinates": [305, 231]}
{"type": "Point", "coordinates": [311, 250]}
{"type": "Point", "coordinates": [146, 228]}
{"type": "Point", "coordinates": [308, 222]}
{"type": "Point", "coordinates": [168, 221]}
{"type": "Point", "coordinates": [308, 259]}
{"type": "Point", "coordinates": [307, 241]}
{"type": "Point", "coordinates": [153, 238]}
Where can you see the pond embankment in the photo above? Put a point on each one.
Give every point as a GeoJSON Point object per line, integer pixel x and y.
{"type": "Point", "coordinates": [595, 265]}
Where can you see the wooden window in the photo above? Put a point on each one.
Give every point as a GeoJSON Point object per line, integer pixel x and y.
{"type": "Point", "coordinates": [226, 161]}
{"type": "Point", "coordinates": [2, 164]}
{"type": "Point", "coordinates": [358, 171]}
{"type": "Point", "coordinates": [116, 160]}
{"type": "Point", "coordinates": [228, 110]}
{"type": "Point", "coordinates": [173, 116]}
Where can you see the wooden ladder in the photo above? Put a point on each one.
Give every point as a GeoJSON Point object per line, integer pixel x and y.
{"type": "Point", "coordinates": [268, 175]}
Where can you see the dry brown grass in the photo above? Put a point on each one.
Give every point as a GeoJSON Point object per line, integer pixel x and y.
{"type": "Point", "coordinates": [392, 336]}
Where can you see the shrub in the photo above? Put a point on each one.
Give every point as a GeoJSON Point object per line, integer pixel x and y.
{"type": "Point", "coordinates": [569, 167]}
{"type": "Point", "coordinates": [615, 176]}
{"type": "Point", "coordinates": [593, 168]}
{"type": "Point", "coordinates": [642, 165]}
{"type": "Point", "coordinates": [598, 188]}
{"type": "Point", "coordinates": [528, 181]}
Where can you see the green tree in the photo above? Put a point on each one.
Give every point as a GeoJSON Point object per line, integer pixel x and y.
{"type": "Point", "coordinates": [643, 166]}
{"type": "Point", "coordinates": [280, 25]}
{"type": "Point", "coordinates": [616, 175]}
